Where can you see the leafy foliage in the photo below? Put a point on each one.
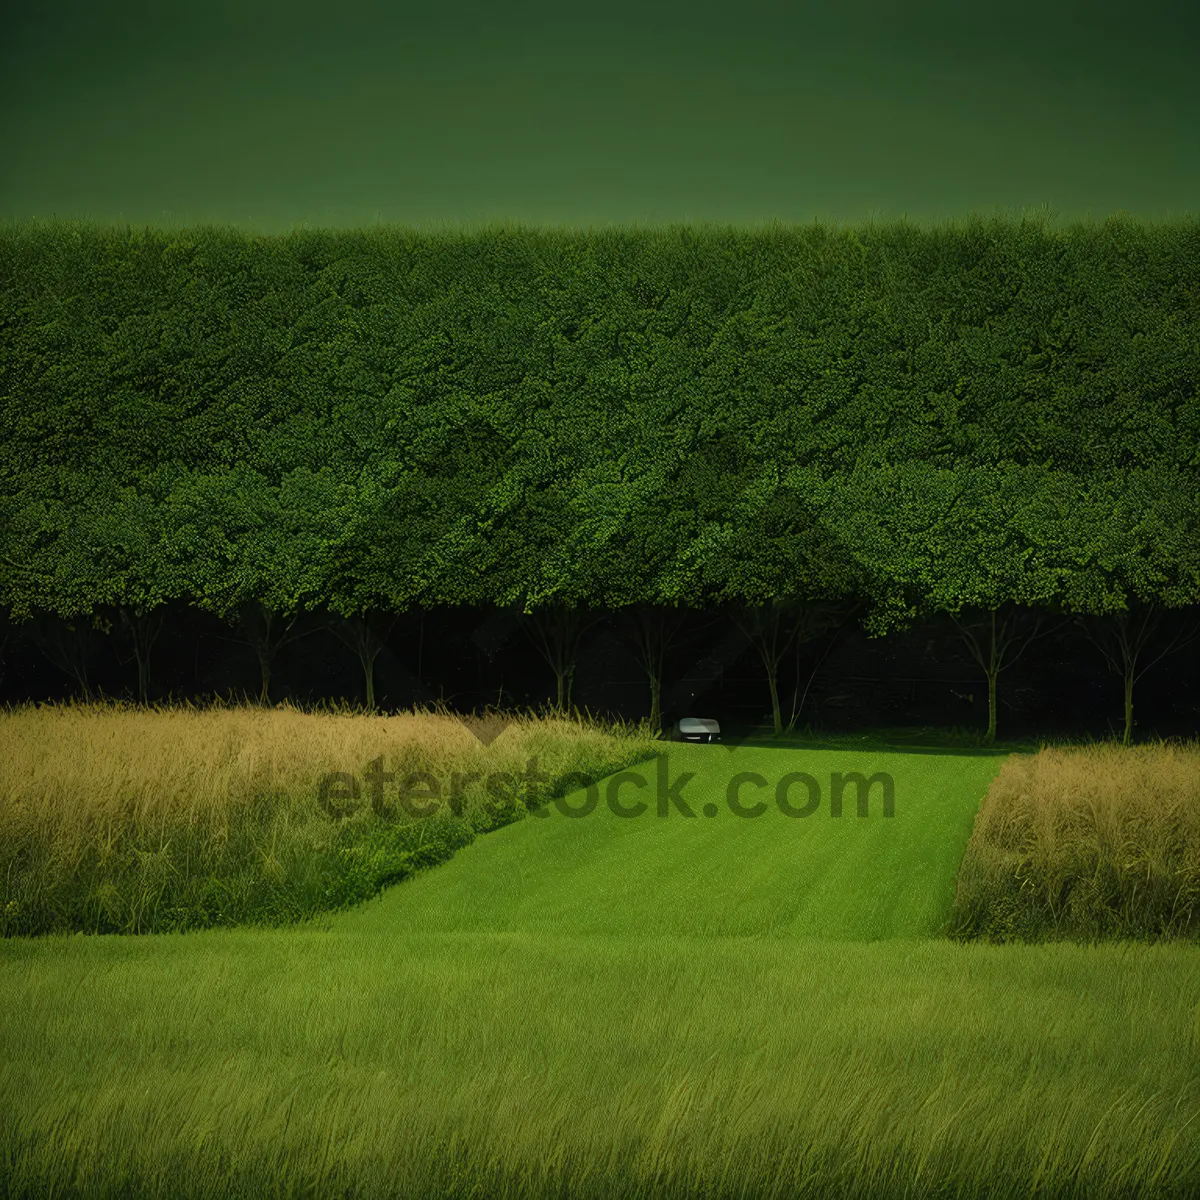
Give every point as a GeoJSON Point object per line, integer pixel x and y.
{"type": "Point", "coordinates": [920, 420]}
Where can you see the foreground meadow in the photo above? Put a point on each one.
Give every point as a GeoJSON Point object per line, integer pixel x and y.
{"type": "Point", "coordinates": [586, 1004]}
{"type": "Point", "coordinates": [250, 1063]}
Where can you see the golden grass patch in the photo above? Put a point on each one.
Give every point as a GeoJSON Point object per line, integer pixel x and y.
{"type": "Point", "coordinates": [1097, 842]}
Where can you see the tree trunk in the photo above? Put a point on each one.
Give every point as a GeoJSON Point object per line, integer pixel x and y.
{"type": "Point", "coordinates": [1122, 637]}
{"type": "Point", "coordinates": [775, 712]}
{"type": "Point", "coordinates": [650, 631]}
{"type": "Point", "coordinates": [143, 628]}
{"type": "Point", "coordinates": [798, 707]}
{"type": "Point", "coordinates": [990, 736]}
{"type": "Point", "coordinates": [771, 629]}
{"type": "Point", "coordinates": [556, 634]}
{"type": "Point", "coordinates": [656, 704]}
{"type": "Point", "coordinates": [993, 661]}
{"type": "Point", "coordinates": [368, 665]}
{"type": "Point", "coordinates": [991, 670]}
{"type": "Point", "coordinates": [266, 652]}
{"type": "Point", "coordinates": [264, 666]}
{"type": "Point", "coordinates": [1128, 702]}
{"type": "Point", "coordinates": [363, 635]}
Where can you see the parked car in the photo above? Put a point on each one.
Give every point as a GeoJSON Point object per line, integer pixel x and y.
{"type": "Point", "coordinates": [698, 729]}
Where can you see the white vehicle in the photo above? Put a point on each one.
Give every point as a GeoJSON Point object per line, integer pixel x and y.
{"type": "Point", "coordinates": [698, 729]}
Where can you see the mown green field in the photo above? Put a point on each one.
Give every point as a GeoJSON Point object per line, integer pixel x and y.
{"type": "Point", "coordinates": [720, 875]}
{"type": "Point", "coordinates": [600, 1006]}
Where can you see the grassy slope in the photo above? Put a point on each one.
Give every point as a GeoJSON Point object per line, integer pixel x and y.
{"type": "Point", "coordinates": [849, 878]}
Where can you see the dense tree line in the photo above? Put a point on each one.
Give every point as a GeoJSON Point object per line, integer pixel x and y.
{"type": "Point", "coordinates": [801, 425]}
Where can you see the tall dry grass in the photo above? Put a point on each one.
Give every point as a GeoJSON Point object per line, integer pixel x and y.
{"type": "Point", "coordinates": [1094, 843]}
{"type": "Point", "coordinates": [115, 818]}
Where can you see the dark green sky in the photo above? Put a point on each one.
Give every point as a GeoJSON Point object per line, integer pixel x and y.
{"type": "Point", "coordinates": [344, 112]}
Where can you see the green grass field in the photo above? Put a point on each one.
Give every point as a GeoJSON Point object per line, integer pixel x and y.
{"type": "Point", "coordinates": [599, 1006]}
{"type": "Point", "coordinates": [721, 875]}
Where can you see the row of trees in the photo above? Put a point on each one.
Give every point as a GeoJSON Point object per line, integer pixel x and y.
{"type": "Point", "coordinates": [898, 539]}
{"type": "Point", "coordinates": [798, 425]}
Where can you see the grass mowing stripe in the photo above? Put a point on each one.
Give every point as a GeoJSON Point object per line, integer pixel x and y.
{"type": "Point", "coordinates": [725, 875]}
